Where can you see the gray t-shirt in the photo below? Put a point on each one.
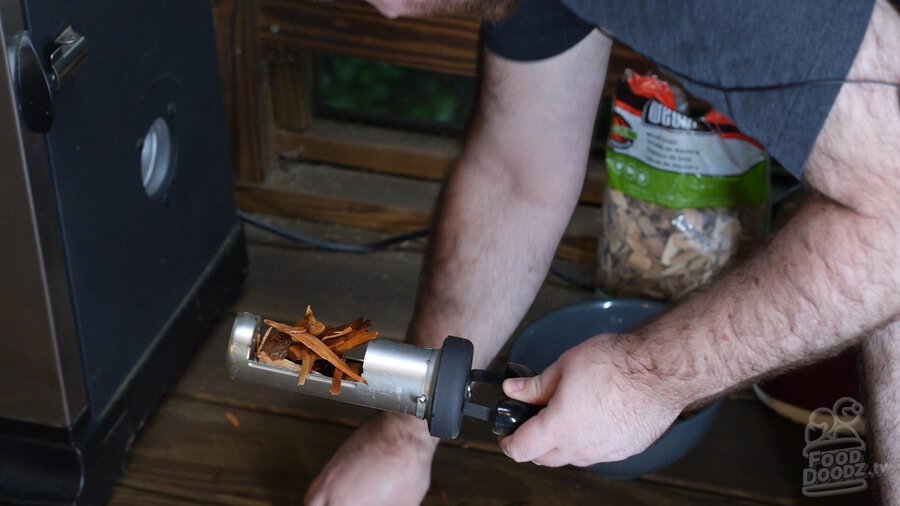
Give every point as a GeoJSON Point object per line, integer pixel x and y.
{"type": "Point", "coordinates": [747, 58]}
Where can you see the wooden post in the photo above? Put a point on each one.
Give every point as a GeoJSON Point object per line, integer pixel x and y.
{"type": "Point", "coordinates": [235, 22]}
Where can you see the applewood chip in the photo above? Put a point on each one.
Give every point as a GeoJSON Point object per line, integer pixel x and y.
{"type": "Point", "coordinates": [300, 347]}
{"type": "Point", "coordinates": [303, 344]}
{"type": "Point", "coordinates": [295, 352]}
{"type": "Point", "coordinates": [337, 333]}
{"type": "Point", "coordinates": [264, 358]}
{"type": "Point", "coordinates": [314, 326]}
{"type": "Point", "coordinates": [351, 342]}
{"type": "Point", "coordinates": [307, 360]}
{"type": "Point", "coordinates": [649, 250]}
{"type": "Point", "coordinates": [262, 342]}
{"type": "Point", "coordinates": [277, 345]}
{"type": "Point", "coordinates": [336, 382]}
{"type": "Point", "coordinates": [357, 325]}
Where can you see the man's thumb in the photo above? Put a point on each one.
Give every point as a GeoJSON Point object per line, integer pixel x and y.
{"type": "Point", "coordinates": [535, 390]}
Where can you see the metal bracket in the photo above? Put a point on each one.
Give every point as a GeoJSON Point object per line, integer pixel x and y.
{"type": "Point", "coordinates": [70, 54]}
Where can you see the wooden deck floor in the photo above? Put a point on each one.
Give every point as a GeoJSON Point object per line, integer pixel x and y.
{"type": "Point", "coordinates": [190, 453]}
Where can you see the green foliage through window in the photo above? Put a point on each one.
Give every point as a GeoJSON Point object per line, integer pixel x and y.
{"type": "Point", "coordinates": [389, 94]}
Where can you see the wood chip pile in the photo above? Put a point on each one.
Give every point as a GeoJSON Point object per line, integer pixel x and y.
{"type": "Point", "coordinates": [648, 250]}
{"type": "Point", "coordinates": [311, 346]}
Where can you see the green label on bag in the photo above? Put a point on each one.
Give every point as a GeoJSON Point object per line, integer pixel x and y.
{"type": "Point", "coordinates": [676, 190]}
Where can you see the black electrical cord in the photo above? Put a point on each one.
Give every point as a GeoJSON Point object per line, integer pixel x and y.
{"type": "Point", "coordinates": [777, 200]}
{"type": "Point", "coordinates": [372, 247]}
{"type": "Point", "coordinates": [777, 86]}
{"type": "Point", "coordinates": [331, 245]}
{"type": "Point", "coordinates": [580, 283]}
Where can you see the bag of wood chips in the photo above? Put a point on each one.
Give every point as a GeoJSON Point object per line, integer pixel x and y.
{"type": "Point", "coordinates": [684, 194]}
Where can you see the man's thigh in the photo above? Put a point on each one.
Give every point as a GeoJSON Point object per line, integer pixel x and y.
{"type": "Point", "coordinates": [881, 358]}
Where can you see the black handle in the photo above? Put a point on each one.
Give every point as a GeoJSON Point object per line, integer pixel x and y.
{"type": "Point", "coordinates": [510, 413]}
{"type": "Point", "coordinates": [33, 87]}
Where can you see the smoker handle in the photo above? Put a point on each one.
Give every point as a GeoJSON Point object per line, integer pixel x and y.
{"type": "Point", "coordinates": [511, 414]}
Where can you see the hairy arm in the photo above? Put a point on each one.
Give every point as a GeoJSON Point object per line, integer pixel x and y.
{"type": "Point", "coordinates": [829, 277]}
{"type": "Point", "coordinates": [502, 213]}
{"type": "Point", "coordinates": [510, 197]}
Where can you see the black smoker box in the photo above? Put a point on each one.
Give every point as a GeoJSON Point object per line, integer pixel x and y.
{"type": "Point", "coordinates": [118, 241]}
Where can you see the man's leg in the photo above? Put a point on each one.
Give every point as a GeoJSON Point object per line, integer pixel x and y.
{"type": "Point", "coordinates": [881, 356]}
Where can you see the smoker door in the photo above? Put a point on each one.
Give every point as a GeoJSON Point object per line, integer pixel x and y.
{"type": "Point", "coordinates": [41, 380]}
{"type": "Point", "coordinates": [133, 256]}
{"type": "Point", "coordinates": [120, 245]}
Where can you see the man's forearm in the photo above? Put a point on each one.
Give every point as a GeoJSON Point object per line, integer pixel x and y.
{"type": "Point", "coordinates": [829, 277]}
{"type": "Point", "coordinates": [478, 283]}
{"type": "Point", "coordinates": [510, 197]}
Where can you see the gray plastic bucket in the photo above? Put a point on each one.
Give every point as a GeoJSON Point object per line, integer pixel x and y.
{"type": "Point", "coordinates": [546, 339]}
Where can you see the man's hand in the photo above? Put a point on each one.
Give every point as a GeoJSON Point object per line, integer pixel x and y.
{"type": "Point", "coordinates": [598, 408]}
{"type": "Point", "coordinates": [386, 461]}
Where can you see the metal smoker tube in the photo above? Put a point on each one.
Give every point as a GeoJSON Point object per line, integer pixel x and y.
{"type": "Point", "coordinates": [401, 377]}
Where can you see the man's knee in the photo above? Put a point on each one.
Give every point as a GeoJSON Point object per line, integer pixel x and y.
{"type": "Point", "coordinates": [881, 358]}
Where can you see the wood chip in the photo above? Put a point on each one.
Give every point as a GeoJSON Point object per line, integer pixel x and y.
{"type": "Point", "coordinates": [264, 358]}
{"type": "Point", "coordinates": [262, 341]}
{"type": "Point", "coordinates": [652, 251]}
{"type": "Point", "coordinates": [336, 383]}
{"type": "Point", "coordinates": [353, 341]}
{"type": "Point", "coordinates": [314, 326]}
{"type": "Point", "coordinates": [277, 345]}
{"type": "Point", "coordinates": [317, 346]}
{"type": "Point", "coordinates": [357, 325]}
{"type": "Point", "coordinates": [296, 352]}
{"type": "Point", "coordinates": [299, 347]}
{"type": "Point", "coordinates": [306, 363]}
{"type": "Point", "coordinates": [338, 333]}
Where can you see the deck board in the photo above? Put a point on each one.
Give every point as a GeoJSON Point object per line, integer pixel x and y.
{"type": "Point", "coordinates": [189, 453]}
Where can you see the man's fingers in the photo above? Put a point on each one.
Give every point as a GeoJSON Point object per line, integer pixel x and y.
{"type": "Point", "coordinates": [583, 462]}
{"type": "Point", "coordinates": [535, 390]}
{"type": "Point", "coordinates": [553, 458]}
{"type": "Point", "coordinates": [532, 439]}
{"type": "Point", "coordinates": [529, 441]}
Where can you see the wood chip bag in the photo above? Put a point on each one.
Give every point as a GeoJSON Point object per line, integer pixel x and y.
{"type": "Point", "coordinates": [684, 195]}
